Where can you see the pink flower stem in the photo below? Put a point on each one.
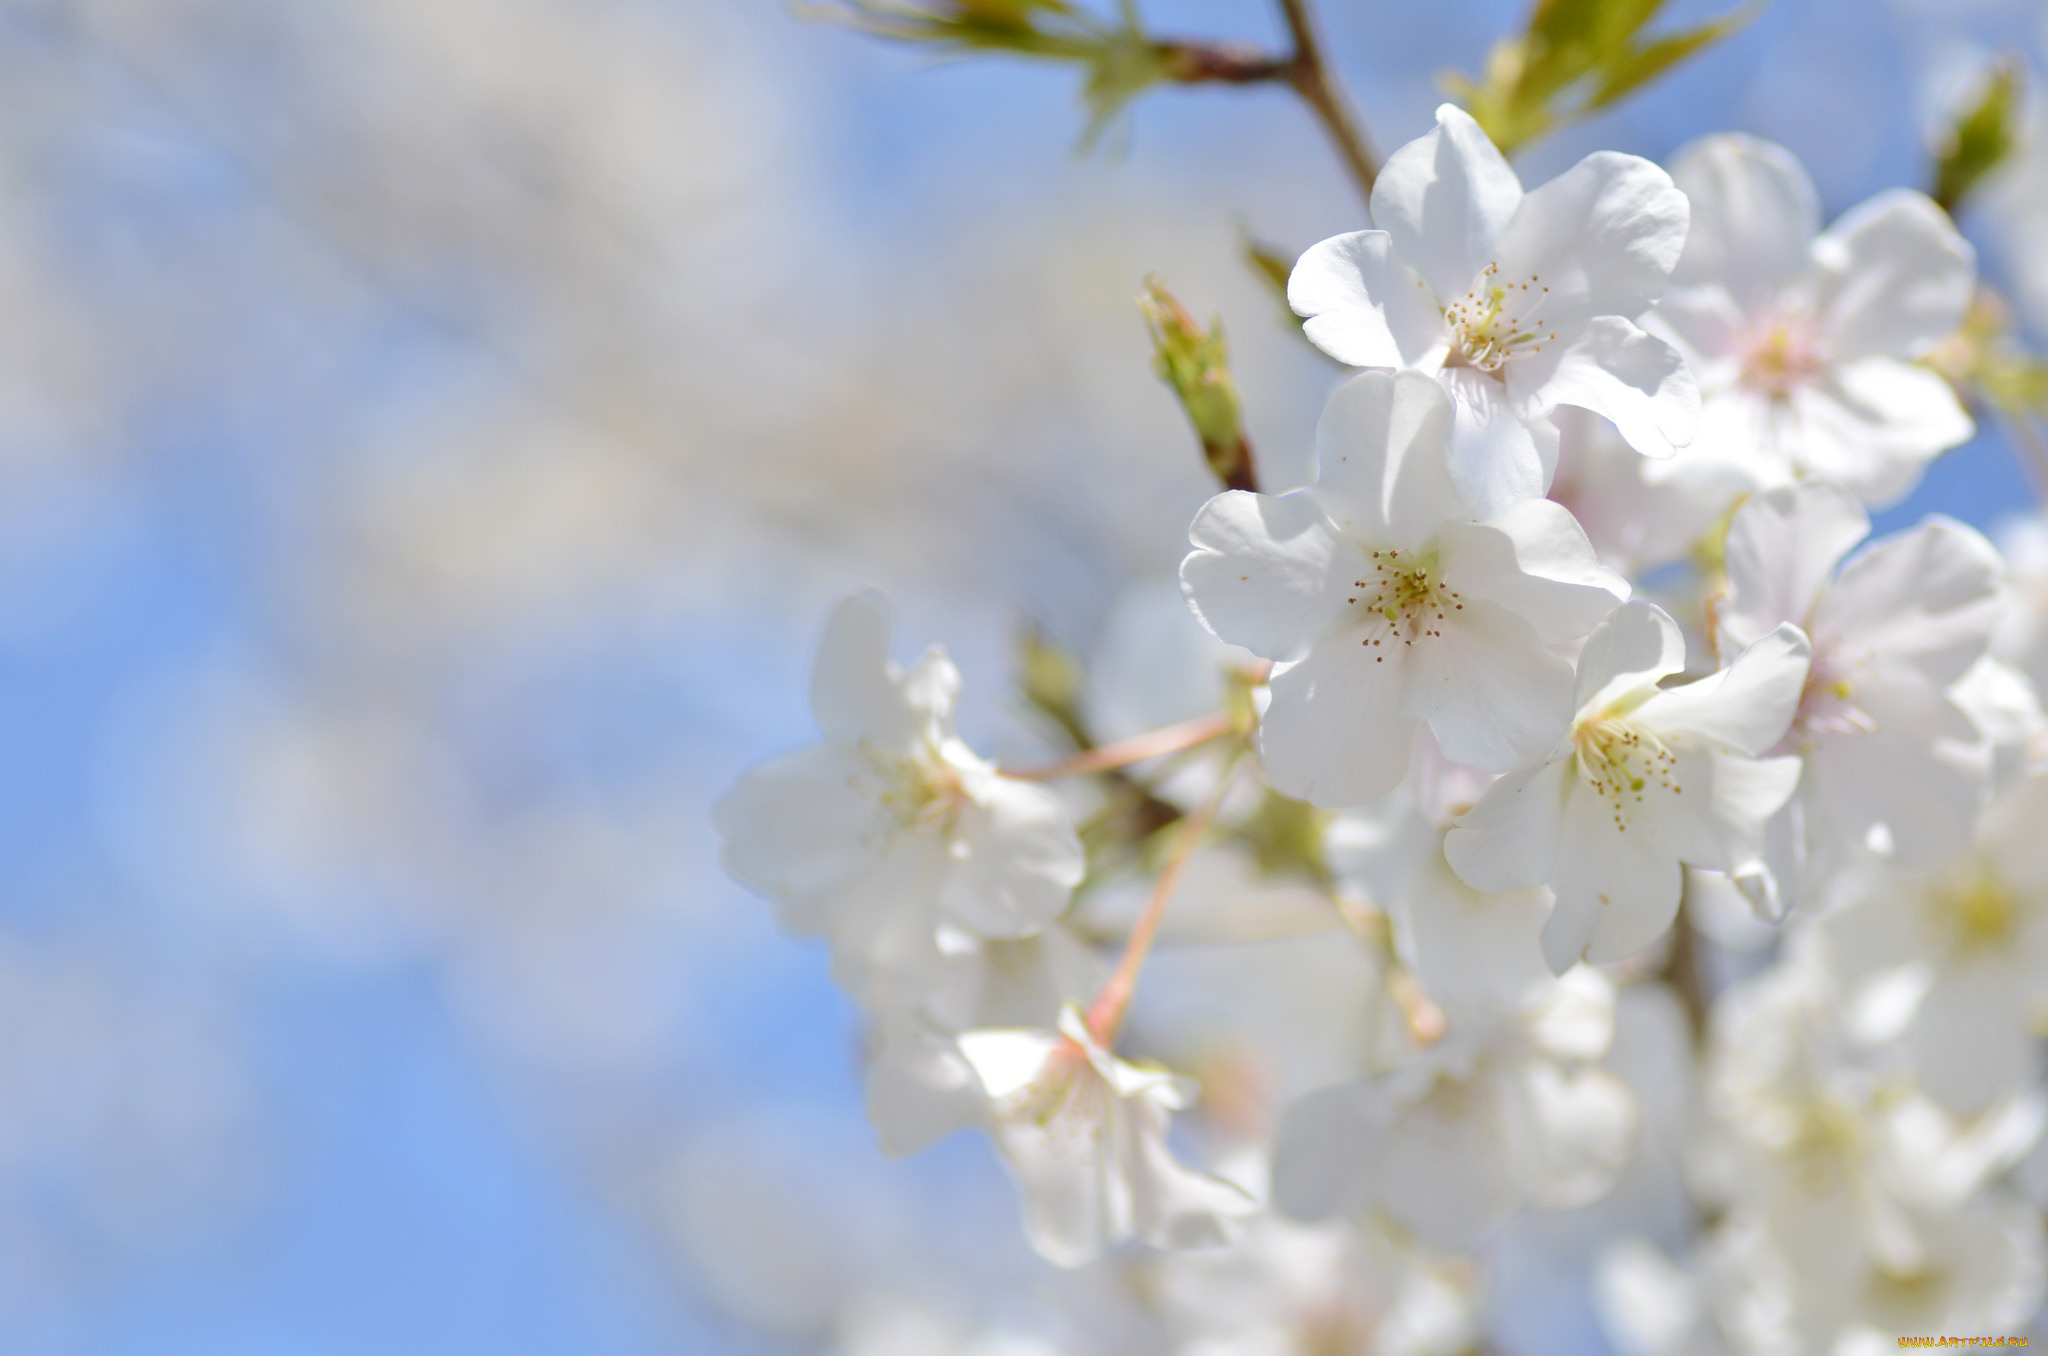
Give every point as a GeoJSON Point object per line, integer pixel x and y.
{"type": "Point", "coordinates": [1109, 757]}
{"type": "Point", "coordinates": [1106, 1013]}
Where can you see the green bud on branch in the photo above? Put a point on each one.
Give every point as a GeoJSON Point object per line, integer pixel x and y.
{"type": "Point", "coordinates": [1196, 364]}
{"type": "Point", "coordinates": [1981, 137]}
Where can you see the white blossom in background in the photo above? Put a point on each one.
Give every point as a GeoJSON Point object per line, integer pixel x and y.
{"type": "Point", "coordinates": [1953, 963]}
{"type": "Point", "coordinates": [1518, 303]}
{"type": "Point", "coordinates": [1649, 778]}
{"type": "Point", "coordinates": [1850, 1203]}
{"type": "Point", "coordinates": [1084, 1134]}
{"type": "Point", "coordinates": [1885, 745]}
{"type": "Point", "coordinates": [1468, 949]}
{"type": "Point", "coordinates": [1387, 603]}
{"type": "Point", "coordinates": [892, 825]}
{"type": "Point", "coordinates": [1286, 1287]}
{"type": "Point", "coordinates": [1501, 1113]}
{"type": "Point", "coordinates": [1637, 515]}
{"type": "Point", "coordinates": [1803, 340]}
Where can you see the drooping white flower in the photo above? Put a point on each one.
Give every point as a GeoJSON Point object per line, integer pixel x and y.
{"type": "Point", "coordinates": [891, 825]}
{"type": "Point", "coordinates": [920, 1086]}
{"type": "Point", "coordinates": [1883, 741]}
{"type": "Point", "coordinates": [1802, 340]}
{"type": "Point", "coordinates": [1649, 778]}
{"type": "Point", "coordinates": [1953, 963]}
{"type": "Point", "coordinates": [1389, 604]}
{"type": "Point", "coordinates": [1498, 1115]}
{"type": "Point", "coordinates": [1084, 1134]}
{"type": "Point", "coordinates": [1517, 302]}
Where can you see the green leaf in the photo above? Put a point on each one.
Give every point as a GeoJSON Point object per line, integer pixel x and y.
{"type": "Point", "coordinates": [1574, 57]}
{"type": "Point", "coordinates": [1630, 73]}
{"type": "Point", "coordinates": [1982, 135]}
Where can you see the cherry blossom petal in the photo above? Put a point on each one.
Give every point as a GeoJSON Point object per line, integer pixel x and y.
{"type": "Point", "coordinates": [1013, 860]}
{"type": "Point", "coordinates": [1334, 734]}
{"type": "Point", "coordinates": [1268, 573]}
{"type": "Point", "coordinates": [1497, 458]}
{"type": "Point", "coordinates": [1444, 199]}
{"type": "Point", "coordinates": [920, 1088]}
{"type": "Point", "coordinates": [1871, 425]}
{"type": "Point", "coordinates": [1444, 1169]}
{"type": "Point", "coordinates": [1173, 1206]}
{"type": "Point", "coordinates": [1747, 705]}
{"type": "Point", "coordinates": [1535, 559]}
{"type": "Point", "coordinates": [1570, 1132]}
{"type": "Point", "coordinates": [857, 694]}
{"type": "Point", "coordinates": [1380, 446]}
{"type": "Point", "coordinates": [1634, 647]}
{"type": "Point", "coordinates": [1614, 368]}
{"type": "Point", "coordinates": [1929, 597]}
{"type": "Point", "coordinates": [1754, 217]}
{"type": "Point", "coordinates": [1470, 949]}
{"type": "Point", "coordinates": [1602, 237]}
{"type": "Point", "coordinates": [1895, 278]}
{"type": "Point", "coordinates": [1493, 695]}
{"type": "Point", "coordinates": [1363, 307]}
{"type": "Point", "coordinates": [1783, 546]}
{"type": "Point", "coordinates": [1617, 889]}
{"type": "Point", "coordinates": [798, 826]}
{"type": "Point", "coordinates": [1509, 840]}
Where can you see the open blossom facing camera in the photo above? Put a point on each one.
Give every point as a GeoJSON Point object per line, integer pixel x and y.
{"type": "Point", "coordinates": [891, 824]}
{"type": "Point", "coordinates": [1084, 1134]}
{"type": "Point", "coordinates": [1649, 778]}
{"type": "Point", "coordinates": [1802, 340]}
{"type": "Point", "coordinates": [1388, 604]}
{"type": "Point", "coordinates": [1517, 302]}
{"type": "Point", "coordinates": [1884, 741]}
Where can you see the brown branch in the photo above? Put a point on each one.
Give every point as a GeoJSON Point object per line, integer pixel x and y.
{"type": "Point", "coordinates": [1323, 91]}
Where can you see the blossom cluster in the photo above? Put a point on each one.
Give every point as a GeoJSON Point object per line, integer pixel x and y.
{"type": "Point", "coordinates": [1789, 780]}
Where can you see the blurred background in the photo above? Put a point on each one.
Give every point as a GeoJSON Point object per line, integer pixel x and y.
{"type": "Point", "coordinates": [430, 431]}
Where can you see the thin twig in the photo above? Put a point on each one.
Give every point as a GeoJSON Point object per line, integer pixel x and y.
{"type": "Point", "coordinates": [1124, 752]}
{"type": "Point", "coordinates": [1323, 91]}
{"type": "Point", "coordinates": [1106, 1013]}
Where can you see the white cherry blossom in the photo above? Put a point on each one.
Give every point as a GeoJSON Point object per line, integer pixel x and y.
{"type": "Point", "coordinates": [1387, 604]}
{"type": "Point", "coordinates": [1803, 341]}
{"type": "Point", "coordinates": [1468, 949]}
{"type": "Point", "coordinates": [1649, 778]}
{"type": "Point", "coordinates": [1953, 963]}
{"type": "Point", "coordinates": [1500, 1114]}
{"type": "Point", "coordinates": [891, 825]}
{"type": "Point", "coordinates": [1517, 302]}
{"type": "Point", "coordinates": [1084, 1134]}
{"type": "Point", "coordinates": [1883, 741]}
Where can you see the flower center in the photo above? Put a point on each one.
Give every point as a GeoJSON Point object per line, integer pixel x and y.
{"type": "Point", "coordinates": [1827, 704]}
{"type": "Point", "coordinates": [1981, 910]}
{"type": "Point", "coordinates": [1779, 356]}
{"type": "Point", "coordinates": [1406, 591]}
{"type": "Point", "coordinates": [1495, 320]}
{"type": "Point", "coordinates": [922, 792]}
{"type": "Point", "coordinates": [1619, 761]}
